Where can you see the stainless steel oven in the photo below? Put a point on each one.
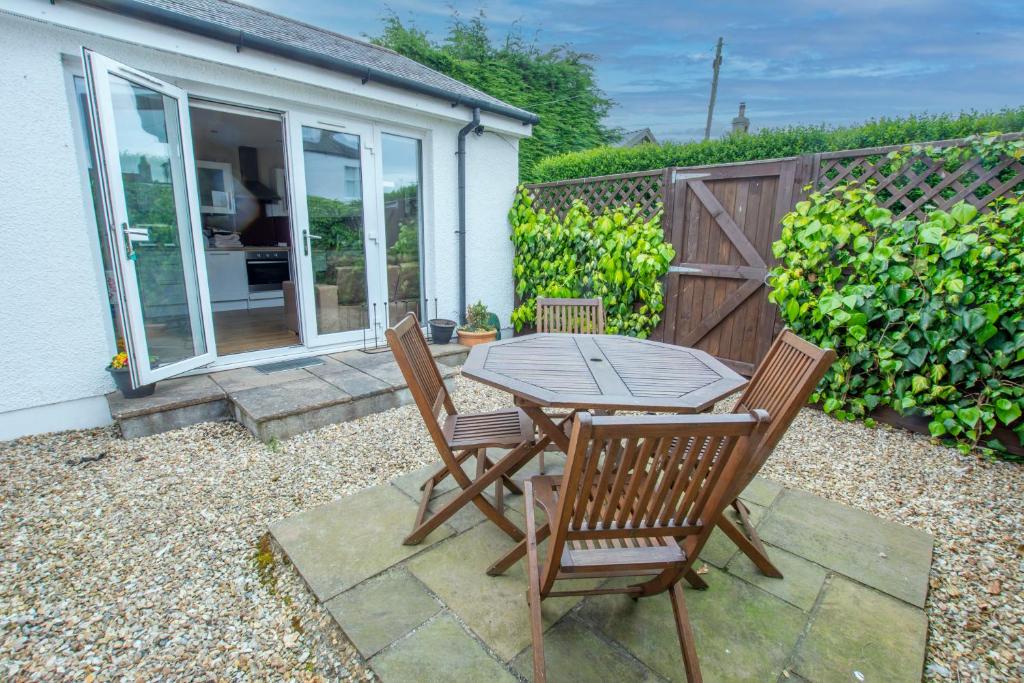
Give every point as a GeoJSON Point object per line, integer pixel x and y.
{"type": "Point", "coordinates": [266, 270]}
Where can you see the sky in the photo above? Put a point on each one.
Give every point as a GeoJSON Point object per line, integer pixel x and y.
{"type": "Point", "coordinates": [792, 62]}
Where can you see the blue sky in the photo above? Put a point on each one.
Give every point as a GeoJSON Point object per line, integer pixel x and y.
{"type": "Point", "coordinates": [791, 61]}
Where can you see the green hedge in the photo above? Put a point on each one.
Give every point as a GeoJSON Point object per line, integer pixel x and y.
{"type": "Point", "coordinates": [618, 255]}
{"type": "Point", "coordinates": [771, 143]}
{"type": "Point", "coordinates": [927, 317]}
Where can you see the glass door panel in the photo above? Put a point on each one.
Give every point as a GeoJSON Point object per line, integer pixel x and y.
{"type": "Point", "coordinates": [150, 204]}
{"type": "Point", "coordinates": [337, 239]}
{"type": "Point", "coordinates": [402, 185]}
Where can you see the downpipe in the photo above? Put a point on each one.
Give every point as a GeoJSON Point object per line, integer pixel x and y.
{"type": "Point", "coordinates": [472, 126]}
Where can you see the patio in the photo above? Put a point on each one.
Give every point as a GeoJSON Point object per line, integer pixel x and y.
{"type": "Point", "coordinates": [851, 604]}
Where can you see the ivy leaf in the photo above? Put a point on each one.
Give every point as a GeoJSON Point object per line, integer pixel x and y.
{"type": "Point", "coordinates": [1007, 411]}
{"type": "Point", "coordinates": [900, 273]}
{"type": "Point", "coordinates": [956, 356]}
{"type": "Point", "coordinates": [963, 213]}
{"type": "Point", "coordinates": [973, 319]}
{"type": "Point", "coordinates": [969, 416]}
{"type": "Point", "coordinates": [931, 234]}
{"type": "Point", "coordinates": [916, 356]}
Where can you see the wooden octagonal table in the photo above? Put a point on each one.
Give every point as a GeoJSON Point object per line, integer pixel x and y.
{"type": "Point", "coordinates": [599, 372]}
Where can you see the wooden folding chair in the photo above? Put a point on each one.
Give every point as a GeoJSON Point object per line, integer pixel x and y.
{"type": "Point", "coordinates": [637, 498]}
{"type": "Point", "coordinates": [570, 316]}
{"type": "Point", "coordinates": [457, 436]}
{"type": "Point", "coordinates": [781, 385]}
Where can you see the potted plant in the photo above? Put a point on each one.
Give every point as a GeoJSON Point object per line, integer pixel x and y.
{"type": "Point", "coordinates": [118, 369]}
{"type": "Point", "coordinates": [478, 328]}
{"type": "Point", "coordinates": [441, 330]}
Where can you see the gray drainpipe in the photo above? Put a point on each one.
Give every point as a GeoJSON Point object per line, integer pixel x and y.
{"type": "Point", "coordinates": [461, 154]}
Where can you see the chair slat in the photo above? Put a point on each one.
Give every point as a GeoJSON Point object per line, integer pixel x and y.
{"type": "Point", "coordinates": [570, 316]}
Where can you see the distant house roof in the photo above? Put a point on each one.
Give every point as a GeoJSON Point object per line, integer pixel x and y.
{"type": "Point", "coordinates": [249, 27]}
{"type": "Point", "coordinates": [637, 137]}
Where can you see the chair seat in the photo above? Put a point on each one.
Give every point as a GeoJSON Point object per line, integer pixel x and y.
{"type": "Point", "coordinates": [508, 427]}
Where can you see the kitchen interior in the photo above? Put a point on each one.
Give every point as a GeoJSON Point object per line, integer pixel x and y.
{"type": "Point", "coordinates": [243, 201]}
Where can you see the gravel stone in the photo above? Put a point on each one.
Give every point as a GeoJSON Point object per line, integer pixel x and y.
{"type": "Point", "coordinates": [149, 558]}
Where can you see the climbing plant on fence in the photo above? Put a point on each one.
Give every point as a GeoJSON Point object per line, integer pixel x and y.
{"type": "Point", "coordinates": [927, 317]}
{"type": "Point", "coordinates": [618, 255]}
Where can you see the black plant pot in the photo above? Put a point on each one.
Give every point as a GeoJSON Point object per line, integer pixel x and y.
{"type": "Point", "coordinates": [441, 330]}
{"type": "Point", "coordinates": [123, 380]}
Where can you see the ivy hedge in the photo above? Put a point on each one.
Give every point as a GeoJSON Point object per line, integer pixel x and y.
{"type": "Point", "coordinates": [772, 143]}
{"type": "Point", "coordinates": [618, 255]}
{"type": "Point", "coordinates": [927, 317]}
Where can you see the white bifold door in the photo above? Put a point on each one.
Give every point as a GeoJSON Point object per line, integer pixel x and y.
{"type": "Point", "coordinates": [143, 143]}
{"type": "Point", "coordinates": [337, 209]}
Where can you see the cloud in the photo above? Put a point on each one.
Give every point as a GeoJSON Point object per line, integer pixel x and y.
{"type": "Point", "coordinates": [791, 61]}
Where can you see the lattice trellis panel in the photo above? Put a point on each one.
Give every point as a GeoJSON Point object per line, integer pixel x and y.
{"type": "Point", "coordinates": [919, 184]}
{"type": "Point", "coordinates": [602, 193]}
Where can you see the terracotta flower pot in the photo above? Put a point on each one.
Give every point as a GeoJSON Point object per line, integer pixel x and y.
{"type": "Point", "coordinates": [467, 338]}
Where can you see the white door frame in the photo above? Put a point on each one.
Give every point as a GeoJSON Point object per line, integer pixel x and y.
{"type": "Point", "coordinates": [301, 237]}
{"type": "Point", "coordinates": [98, 71]}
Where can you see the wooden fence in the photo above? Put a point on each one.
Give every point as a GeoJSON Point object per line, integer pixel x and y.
{"type": "Point", "coordinates": [723, 219]}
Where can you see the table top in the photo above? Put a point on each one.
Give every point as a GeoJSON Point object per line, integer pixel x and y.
{"type": "Point", "coordinates": [602, 372]}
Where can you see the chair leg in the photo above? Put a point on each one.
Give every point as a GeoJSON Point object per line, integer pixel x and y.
{"type": "Point", "coordinates": [471, 493]}
{"type": "Point", "coordinates": [516, 553]}
{"type": "Point", "coordinates": [685, 631]}
{"type": "Point", "coordinates": [751, 546]}
{"type": "Point", "coordinates": [533, 598]}
{"type": "Point", "coordinates": [693, 578]}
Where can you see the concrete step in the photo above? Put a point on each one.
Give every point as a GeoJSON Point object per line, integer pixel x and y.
{"type": "Point", "coordinates": [279, 405]}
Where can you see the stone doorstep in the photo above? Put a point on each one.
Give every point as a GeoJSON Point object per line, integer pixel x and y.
{"type": "Point", "coordinates": [429, 612]}
{"type": "Point", "coordinates": [348, 385]}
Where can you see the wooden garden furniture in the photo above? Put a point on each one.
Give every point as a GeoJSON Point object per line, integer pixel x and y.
{"type": "Point", "coordinates": [568, 316]}
{"type": "Point", "coordinates": [457, 436]}
{"type": "Point", "coordinates": [572, 316]}
{"type": "Point", "coordinates": [583, 372]}
{"type": "Point", "coordinates": [781, 386]}
{"type": "Point", "coordinates": [635, 500]}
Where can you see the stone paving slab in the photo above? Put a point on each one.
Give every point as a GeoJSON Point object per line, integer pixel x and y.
{"type": "Point", "coordinates": [169, 394]}
{"type": "Point", "coordinates": [279, 404]}
{"type": "Point", "coordinates": [337, 545]}
{"type": "Point", "coordinates": [861, 634]}
{"type": "Point", "coordinates": [890, 557]}
{"type": "Point", "coordinates": [439, 652]}
{"type": "Point", "coordinates": [381, 610]}
{"type": "Point", "coordinates": [430, 613]}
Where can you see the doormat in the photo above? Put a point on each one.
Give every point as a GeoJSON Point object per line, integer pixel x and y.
{"type": "Point", "coordinates": [283, 365]}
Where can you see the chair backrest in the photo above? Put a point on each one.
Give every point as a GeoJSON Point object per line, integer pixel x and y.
{"type": "Point", "coordinates": [651, 476]}
{"type": "Point", "coordinates": [573, 316]}
{"type": "Point", "coordinates": [781, 386]}
{"type": "Point", "coordinates": [421, 374]}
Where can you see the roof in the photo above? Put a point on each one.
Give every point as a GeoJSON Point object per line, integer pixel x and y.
{"type": "Point", "coordinates": [253, 28]}
{"type": "Point", "coordinates": [637, 137]}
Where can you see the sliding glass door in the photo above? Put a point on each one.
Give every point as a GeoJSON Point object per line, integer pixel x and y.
{"type": "Point", "coordinates": [141, 135]}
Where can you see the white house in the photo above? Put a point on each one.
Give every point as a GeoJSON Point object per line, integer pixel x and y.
{"type": "Point", "coordinates": [214, 186]}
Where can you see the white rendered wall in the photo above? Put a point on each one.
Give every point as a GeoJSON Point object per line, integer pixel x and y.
{"type": "Point", "coordinates": [55, 328]}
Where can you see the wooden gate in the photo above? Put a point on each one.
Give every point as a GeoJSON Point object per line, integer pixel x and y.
{"type": "Point", "coordinates": [722, 221]}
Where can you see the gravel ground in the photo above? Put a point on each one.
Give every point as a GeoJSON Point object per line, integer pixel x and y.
{"type": "Point", "coordinates": [149, 558]}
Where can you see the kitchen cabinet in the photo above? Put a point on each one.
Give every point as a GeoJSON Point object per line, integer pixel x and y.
{"type": "Point", "coordinates": [229, 284]}
{"type": "Point", "coordinates": [216, 187]}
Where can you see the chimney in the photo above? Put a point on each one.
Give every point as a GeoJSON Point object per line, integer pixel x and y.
{"type": "Point", "coordinates": [741, 124]}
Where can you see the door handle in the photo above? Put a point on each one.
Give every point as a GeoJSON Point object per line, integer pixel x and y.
{"type": "Point", "coordinates": [307, 236]}
{"type": "Point", "coordinates": [129, 249]}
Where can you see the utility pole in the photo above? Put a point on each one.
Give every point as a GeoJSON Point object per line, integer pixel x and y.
{"type": "Point", "coordinates": [714, 87]}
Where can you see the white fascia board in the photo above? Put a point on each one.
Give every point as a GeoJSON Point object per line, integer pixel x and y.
{"type": "Point", "coordinates": [78, 17]}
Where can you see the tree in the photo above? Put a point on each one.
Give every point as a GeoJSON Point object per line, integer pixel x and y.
{"type": "Point", "coordinates": [557, 83]}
